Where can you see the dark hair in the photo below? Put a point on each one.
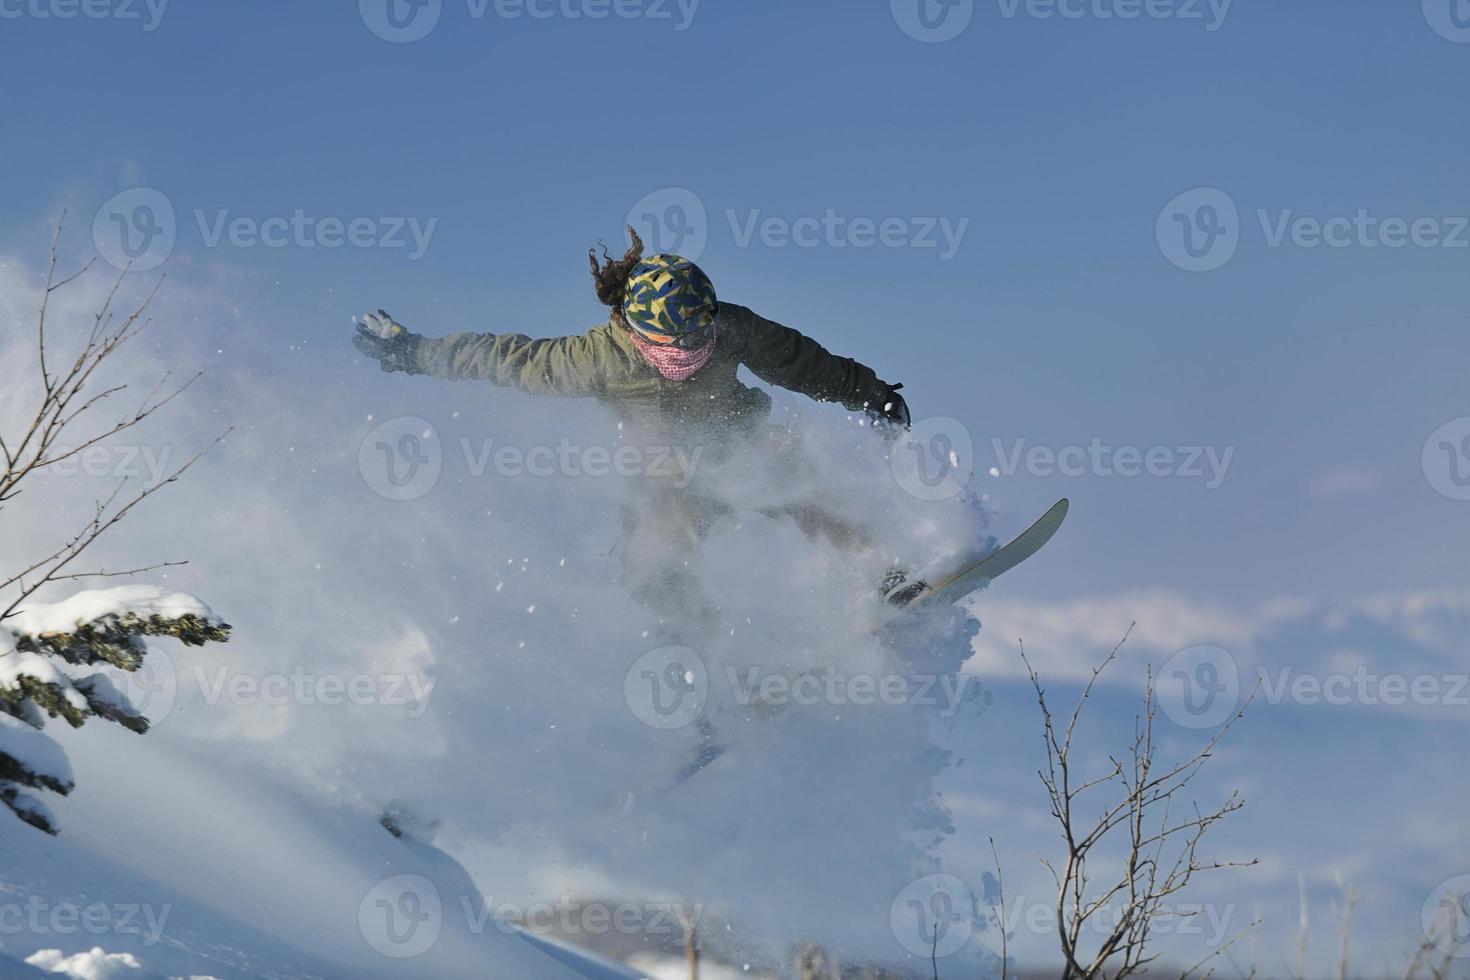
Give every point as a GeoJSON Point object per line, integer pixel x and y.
{"type": "Point", "coordinates": [611, 275]}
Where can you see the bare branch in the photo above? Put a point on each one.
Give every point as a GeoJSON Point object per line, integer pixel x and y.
{"type": "Point", "coordinates": [1000, 884]}
{"type": "Point", "coordinates": [1161, 855]}
{"type": "Point", "coordinates": [104, 573]}
{"type": "Point", "coordinates": [100, 524]}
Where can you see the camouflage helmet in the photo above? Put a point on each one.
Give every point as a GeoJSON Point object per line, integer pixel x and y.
{"type": "Point", "coordinates": [670, 301]}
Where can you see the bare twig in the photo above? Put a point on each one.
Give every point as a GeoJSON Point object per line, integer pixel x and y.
{"type": "Point", "coordinates": [1000, 885]}
{"type": "Point", "coordinates": [104, 573]}
{"type": "Point", "coordinates": [1344, 918]}
{"type": "Point", "coordinates": [1222, 951]}
{"type": "Point", "coordinates": [1162, 853]}
{"type": "Point", "coordinates": [66, 395]}
{"type": "Point", "coordinates": [104, 519]}
{"type": "Point", "coordinates": [1442, 936]}
{"type": "Point", "coordinates": [1301, 927]}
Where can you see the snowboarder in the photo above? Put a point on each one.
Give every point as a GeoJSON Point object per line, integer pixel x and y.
{"type": "Point", "coordinates": [665, 363]}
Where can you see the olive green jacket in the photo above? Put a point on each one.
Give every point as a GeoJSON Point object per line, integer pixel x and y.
{"type": "Point", "coordinates": [604, 364]}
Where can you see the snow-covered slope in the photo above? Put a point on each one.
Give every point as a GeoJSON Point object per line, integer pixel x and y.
{"type": "Point", "coordinates": [194, 867]}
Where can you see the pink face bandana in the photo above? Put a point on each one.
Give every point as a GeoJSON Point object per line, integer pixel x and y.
{"type": "Point", "coordinates": [675, 363]}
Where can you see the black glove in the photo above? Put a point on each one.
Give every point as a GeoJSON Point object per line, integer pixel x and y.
{"type": "Point", "coordinates": [886, 406]}
{"type": "Point", "coordinates": [386, 341]}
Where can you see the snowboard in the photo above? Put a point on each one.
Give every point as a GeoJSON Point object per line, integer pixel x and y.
{"type": "Point", "coordinates": [973, 574]}
{"type": "Point", "coordinates": [950, 586]}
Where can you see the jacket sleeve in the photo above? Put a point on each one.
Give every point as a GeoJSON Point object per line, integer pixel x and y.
{"type": "Point", "coordinates": [553, 366]}
{"type": "Point", "coordinates": [781, 356]}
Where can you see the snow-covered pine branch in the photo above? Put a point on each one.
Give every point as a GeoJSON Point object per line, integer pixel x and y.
{"type": "Point", "coordinates": [45, 648]}
{"type": "Point", "coordinates": [42, 651]}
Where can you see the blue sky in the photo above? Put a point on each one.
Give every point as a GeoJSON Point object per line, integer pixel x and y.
{"type": "Point", "coordinates": [1062, 318]}
{"type": "Point", "coordinates": [1058, 320]}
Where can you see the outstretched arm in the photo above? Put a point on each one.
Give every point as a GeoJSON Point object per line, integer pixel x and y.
{"type": "Point", "coordinates": [552, 366]}
{"type": "Point", "coordinates": [781, 356]}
